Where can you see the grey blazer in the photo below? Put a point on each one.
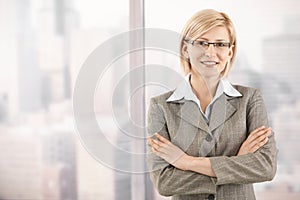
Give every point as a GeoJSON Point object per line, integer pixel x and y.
{"type": "Point", "coordinates": [231, 121]}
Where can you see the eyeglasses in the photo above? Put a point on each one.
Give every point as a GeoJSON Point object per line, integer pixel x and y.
{"type": "Point", "coordinates": [219, 46]}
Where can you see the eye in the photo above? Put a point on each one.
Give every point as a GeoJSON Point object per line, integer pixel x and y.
{"type": "Point", "coordinates": [221, 44]}
{"type": "Point", "coordinates": [203, 43]}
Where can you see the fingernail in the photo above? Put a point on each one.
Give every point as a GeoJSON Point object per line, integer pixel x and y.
{"type": "Point", "coordinates": [263, 127]}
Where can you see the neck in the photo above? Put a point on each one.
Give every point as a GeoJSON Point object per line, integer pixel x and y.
{"type": "Point", "coordinates": [204, 87]}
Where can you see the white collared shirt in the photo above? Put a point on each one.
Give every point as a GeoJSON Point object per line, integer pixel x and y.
{"type": "Point", "coordinates": [184, 91]}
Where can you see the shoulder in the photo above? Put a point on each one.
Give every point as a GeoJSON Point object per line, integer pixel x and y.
{"type": "Point", "coordinates": [247, 92]}
{"type": "Point", "coordinates": [159, 106]}
{"type": "Point", "coordinates": [162, 98]}
{"type": "Point", "coordinates": [251, 97]}
{"type": "Point", "coordinates": [160, 103]}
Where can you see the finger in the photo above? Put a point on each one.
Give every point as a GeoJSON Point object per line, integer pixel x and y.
{"type": "Point", "coordinates": [256, 147]}
{"type": "Point", "coordinates": [153, 150]}
{"type": "Point", "coordinates": [161, 138]}
{"type": "Point", "coordinates": [266, 137]}
{"type": "Point", "coordinates": [269, 132]}
{"type": "Point", "coordinates": [149, 141]}
{"type": "Point", "coordinates": [265, 133]}
{"type": "Point", "coordinates": [259, 145]}
{"type": "Point", "coordinates": [263, 137]}
{"type": "Point", "coordinates": [257, 134]}
{"type": "Point", "coordinates": [258, 129]}
{"type": "Point", "coordinates": [258, 142]}
{"type": "Point", "coordinates": [152, 141]}
{"type": "Point", "coordinates": [154, 144]}
{"type": "Point", "coordinates": [158, 153]}
{"type": "Point", "coordinates": [159, 143]}
{"type": "Point", "coordinates": [161, 147]}
{"type": "Point", "coordinates": [163, 152]}
{"type": "Point", "coordinates": [156, 147]}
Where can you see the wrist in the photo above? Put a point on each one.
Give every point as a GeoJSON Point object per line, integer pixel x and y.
{"type": "Point", "coordinates": [193, 163]}
{"type": "Point", "coordinates": [188, 163]}
{"type": "Point", "coordinates": [201, 165]}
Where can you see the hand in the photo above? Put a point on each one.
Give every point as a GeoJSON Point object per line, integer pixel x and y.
{"type": "Point", "coordinates": [255, 140]}
{"type": "Point", "coordinates": [169, 152]}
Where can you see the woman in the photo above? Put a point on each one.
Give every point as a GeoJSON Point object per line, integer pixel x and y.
{"type": "Point", "coordinates": [209, 139]}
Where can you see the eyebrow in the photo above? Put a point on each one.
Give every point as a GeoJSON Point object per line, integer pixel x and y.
{"type": "Point", "coordinates": [220, 40]}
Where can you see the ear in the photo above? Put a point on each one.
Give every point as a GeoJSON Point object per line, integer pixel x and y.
{"type": "Point", "coordinates": [184, 50]}
{"type": "Point", "coordinates": [231, 50]}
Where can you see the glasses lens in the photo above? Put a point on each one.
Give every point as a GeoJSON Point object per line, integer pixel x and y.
{"type": "Point", "coordinates": [219, 46]}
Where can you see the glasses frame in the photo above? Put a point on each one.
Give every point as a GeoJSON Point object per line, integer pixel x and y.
{"type": "Point", "coordinates": [204, 44]}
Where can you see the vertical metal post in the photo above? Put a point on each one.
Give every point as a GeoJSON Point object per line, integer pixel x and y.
{"type": "Point", "coordinates": [139, 182]}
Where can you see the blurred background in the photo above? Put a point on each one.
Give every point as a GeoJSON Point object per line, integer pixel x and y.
{"type": "Point", "coordinates": [43, 44]}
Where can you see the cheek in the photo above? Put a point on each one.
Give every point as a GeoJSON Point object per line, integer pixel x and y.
{"type": "Point", "coordinates": [224, 56]}
{"type": "Point", "coordinates": [194, 53]}
{"type": "Point", "coordinates": [223, 62]}
{"type": "Point", "coordinates": [194, 57]}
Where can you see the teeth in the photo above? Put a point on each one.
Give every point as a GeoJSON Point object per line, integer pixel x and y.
{"type": "Point", "coordinates": [209, 63]}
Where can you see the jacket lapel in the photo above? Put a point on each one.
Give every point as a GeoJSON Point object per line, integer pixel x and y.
{"type": "Point", "coordinates": [221, 111]}
{"type": "Point", "coordinates": [190, 113]}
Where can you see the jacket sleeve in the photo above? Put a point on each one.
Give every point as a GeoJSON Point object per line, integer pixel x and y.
{"type": "Point", "coordinates": [253, 167]}
{"type": "Point", "coordinates": [167, 179]}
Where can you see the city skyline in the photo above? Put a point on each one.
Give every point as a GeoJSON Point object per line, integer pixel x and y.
{"type": "Point", "coordinates": [44, 54]}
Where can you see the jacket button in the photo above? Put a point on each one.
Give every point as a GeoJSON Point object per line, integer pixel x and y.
{"type": "Point", "coordinates": [211, 197]}
{"type": "Point", "coordinates": [208, 138]}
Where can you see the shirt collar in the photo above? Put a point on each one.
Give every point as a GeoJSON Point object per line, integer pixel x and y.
{"type": "Point", "coordinates": [229, 89]}
{"type": "Point", "coordinates": [184, 90]}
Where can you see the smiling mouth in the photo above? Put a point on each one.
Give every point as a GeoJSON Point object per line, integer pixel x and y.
{"type": "Point", "coordinates": [209, 63]}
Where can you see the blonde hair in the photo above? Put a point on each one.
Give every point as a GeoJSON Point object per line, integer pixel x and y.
{"type": "Point", "coordinates": [200, 23]}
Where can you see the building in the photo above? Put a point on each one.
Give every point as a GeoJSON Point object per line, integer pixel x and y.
{"type": "Point", "coordinates": [20, 164]}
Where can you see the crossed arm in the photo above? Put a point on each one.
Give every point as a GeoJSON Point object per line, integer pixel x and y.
{"type": "Point", "coordinates": [179, 159]}
{"type": "Point", "coordinates": [174, 172]}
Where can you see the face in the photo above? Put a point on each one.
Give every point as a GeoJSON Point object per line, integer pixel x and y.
{"type": "Point", "coordinates": [209, 60]}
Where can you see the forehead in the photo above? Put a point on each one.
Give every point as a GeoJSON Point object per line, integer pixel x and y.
{"type": "Point", "coordinates": [216, 33]}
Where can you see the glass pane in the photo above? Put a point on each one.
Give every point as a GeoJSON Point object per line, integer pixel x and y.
{"type": "Point", "coordinates": [44, 45]}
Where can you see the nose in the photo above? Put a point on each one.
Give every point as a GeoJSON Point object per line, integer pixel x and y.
{"type": "Point", "coordinates": [210, 51]}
